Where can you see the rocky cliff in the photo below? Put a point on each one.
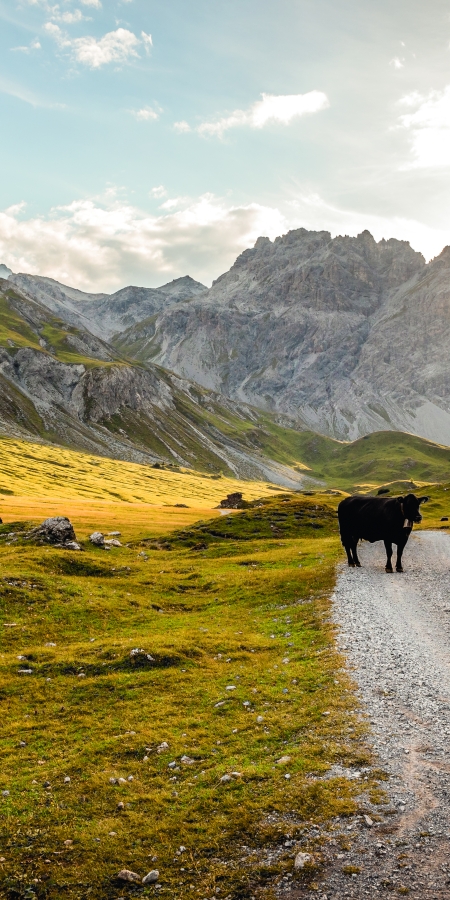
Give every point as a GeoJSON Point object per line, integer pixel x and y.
{"type": "Point", "coordinates": [105, 314]}
{"type": "Point", "coordinates": [343, 336]}
{"type": "Point", "coordinates": [60, 383]}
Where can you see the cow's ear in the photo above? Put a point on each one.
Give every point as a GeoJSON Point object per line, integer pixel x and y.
{"type": "Point", "coordinates": [400, 499]}
{"type": "Point", "coordinates": [423, 499]}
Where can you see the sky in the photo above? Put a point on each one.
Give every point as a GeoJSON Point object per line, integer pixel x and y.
{"type": "Point", "coordinates": [144, 140]}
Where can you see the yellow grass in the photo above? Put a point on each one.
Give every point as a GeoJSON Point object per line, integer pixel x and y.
{"type": "Point", "coordinates": [47, 473]}
{"type": "Point", "coordinates": [134, 520]}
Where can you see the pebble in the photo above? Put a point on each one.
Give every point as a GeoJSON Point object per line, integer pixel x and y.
{"type": "Point", "coordinates": [301, 859]}
{"type": "Point", "coordinates": [68, 843]}
{"type": "Point", "coordinates": [283, 760]}
{"type": "Point", "coordinates": [22, 743]}
{"type": "Point", "coordinates": [225, 778]}
{"type": "Point", "coordinates": [128, 875]}
{"type": "Point", "coordinates": [5, 793]}
{"type": "Point", "coordinates": [259, 719]}
{"type": "Point", "coordinates": [162, 747]}
{"type": "Point", "coordinates": [66, 780]}
{"type": "Point", "coordinates": [151, 878]}
{"type": "Point", "coordinates": [230, 687]}
{"type": "Point", "coordinates": [368, 821]}
{"type": "Point", "coordinates": [121, 805]}
{"type": "Point", "coordinates": [130, 778]}
{"type": "Point", "coordinates": [187, 761]}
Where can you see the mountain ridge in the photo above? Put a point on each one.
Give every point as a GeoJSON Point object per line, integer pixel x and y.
{"type": "Point", "coordinates": [343, 336]}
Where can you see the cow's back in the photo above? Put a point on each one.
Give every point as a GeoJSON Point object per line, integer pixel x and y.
{"type": "Point", "coordinates": [371, 518]}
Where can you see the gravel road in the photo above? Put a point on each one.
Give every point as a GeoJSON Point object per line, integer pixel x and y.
{"type": "Point", "coordinates": [395, 633]}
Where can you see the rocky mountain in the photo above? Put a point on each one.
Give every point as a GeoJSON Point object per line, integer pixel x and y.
{"type": "Point", "coordinates": [344, 336]}
{"type": "Point", "coordinates": [61, 383]}
{"type": "Point", "coordinates": [105, 314]}
{"type": "Point", "coordinates": [341, 336]}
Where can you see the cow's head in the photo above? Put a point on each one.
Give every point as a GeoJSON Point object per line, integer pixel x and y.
{"type": "Point", "coordinates": [411, 507]}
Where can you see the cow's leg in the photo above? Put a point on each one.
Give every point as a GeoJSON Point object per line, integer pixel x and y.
{"type": "Point", "coordinates": [348, 550]}
{"type": "Point", "coordinates": [400, 548]}
{"type": "Point", "coordinates": [355, 554]}
{"type": "Point", "coordinates": [388, 546]}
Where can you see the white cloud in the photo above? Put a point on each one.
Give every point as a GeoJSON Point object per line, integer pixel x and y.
{"type": "Point", "coordinates": [182, 127]}
{"type": "Point", "coordinates": [115, 47]}
{"type": "Point", "coordinates": [429, 128]}
{"type": "Point", "coordinates": [97, 245]}
{"type": "Point", "coordinates": [147, 113]}
{"type": "Point", "coordinates": [397, 63]}
{"type": "Point", "coordinates": [69, 18]}
{"type": "Point", "coordinates": [26, 96]}
{"type": "Point", "coordinates": [158, 191]}
{"type": "Point", "coordinates": [100, 245]}
{"type": "Point", "coordinates": [172, 203]}
{"type": "Point", "coordinates": [147, 41]}
{"type": "Point", "coordinates": [54, 12]}
{"type": "Point", "coordinates": [282, 110]}
{"type": "Point", "coordinates": [96, 3]}
{"type": "Point", "coordinates": [35, 45]}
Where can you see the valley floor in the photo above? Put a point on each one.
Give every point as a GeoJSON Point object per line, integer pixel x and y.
{"type": "Point", "coordinates": [177, 692]}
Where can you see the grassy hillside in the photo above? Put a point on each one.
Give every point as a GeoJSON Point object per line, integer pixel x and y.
{"type": "Point", "coordinates": [248, 611]}
{"type": "Point", "coordinates": [24, 323]}
{"type": "Point", "coordinates": [183, 422]}
{"type": "Point", "coordinates": [375, 459]}
{"type": "Point", "coordinates": [39, 472]}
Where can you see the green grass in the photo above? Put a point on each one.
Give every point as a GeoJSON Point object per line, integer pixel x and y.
{"type": "Point", "coordinates": [373, 460]}
{"type": "Point", "coordinates": [247, 608]}
{"type": "Point", "coordinates": [14, 331]}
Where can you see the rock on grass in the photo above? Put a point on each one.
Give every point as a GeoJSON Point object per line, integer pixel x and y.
{"type": "Point", "coordinates": [151, 878]}
{"type": "Point", "coordinates": [128, 875]}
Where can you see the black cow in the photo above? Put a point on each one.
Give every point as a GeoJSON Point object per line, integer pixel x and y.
{"type": "Point", "coordinates": [378, 519]}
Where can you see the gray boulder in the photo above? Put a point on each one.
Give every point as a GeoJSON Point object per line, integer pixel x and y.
{"type": "Point", "coordinates": [57, 530]}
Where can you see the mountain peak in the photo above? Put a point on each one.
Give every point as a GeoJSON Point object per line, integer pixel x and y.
{"type": "Point", "coordinates": [4, 271]}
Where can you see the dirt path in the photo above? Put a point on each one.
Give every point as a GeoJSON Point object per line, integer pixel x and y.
{"type": "Point", "coordinates": [395, 633]}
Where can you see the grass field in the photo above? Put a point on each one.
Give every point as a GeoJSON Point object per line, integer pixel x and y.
{"type": "Point", "coordinates": [45, 472]}
{"type": "Point", "coordinates": [243, 673]}
{"type": "Point", "coordinates": [239, 602]}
